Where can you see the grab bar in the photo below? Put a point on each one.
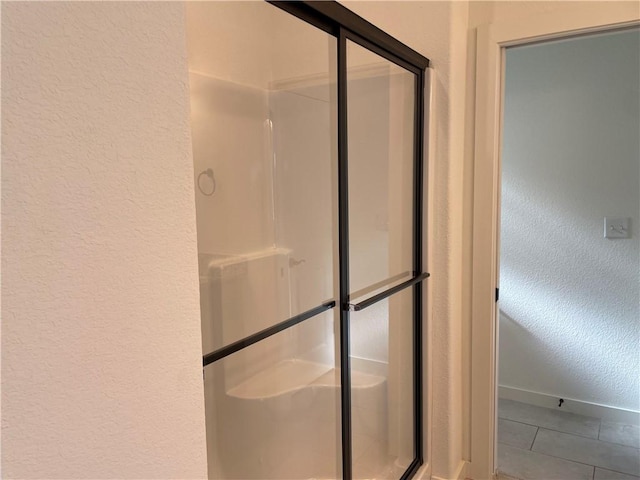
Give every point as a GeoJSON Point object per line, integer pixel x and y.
{"type": "Point", "coordinates": [387, 293]}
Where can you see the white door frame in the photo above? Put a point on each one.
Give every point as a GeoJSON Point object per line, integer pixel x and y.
{"type": "Point", "coordinates": [492, 41]}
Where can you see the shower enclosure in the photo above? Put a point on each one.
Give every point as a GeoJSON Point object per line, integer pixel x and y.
{"type": "Point", "coordinates": [307, 126]}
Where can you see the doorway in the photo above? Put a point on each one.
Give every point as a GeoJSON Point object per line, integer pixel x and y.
{"type": "Point", "coordinates": [492, 42]}
{"type": "Point", "coordinates": [568, 388]}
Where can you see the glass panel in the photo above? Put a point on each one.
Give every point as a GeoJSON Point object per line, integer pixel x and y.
{"type": "Point", "coordinates": [382, 387]}
{"type": "Point", "coordinates": [380, 106]}
{"type": "Point", "coordinates": [263, 118]}
{"type": "Point", "coordinates": [273, 408]}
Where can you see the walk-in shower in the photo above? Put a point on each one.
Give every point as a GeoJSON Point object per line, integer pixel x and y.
{"type": "Point", "coordinates": [307, 127]}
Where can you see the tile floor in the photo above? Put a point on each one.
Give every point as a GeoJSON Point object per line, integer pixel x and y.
{"type": "Point", "coordinates": [536, 443]}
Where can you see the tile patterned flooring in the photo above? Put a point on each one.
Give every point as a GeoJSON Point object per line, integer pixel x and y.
{"type": "Point", "coordinates": [536, 443]}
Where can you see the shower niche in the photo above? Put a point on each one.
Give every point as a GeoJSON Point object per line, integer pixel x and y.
{"type": "Point", "coordinates": [307, 146]}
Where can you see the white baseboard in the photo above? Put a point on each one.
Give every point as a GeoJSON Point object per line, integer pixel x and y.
{"type": "Point", "coordinates": [580, 407]}
{"type": "Point", "coordinates": [460, 473]}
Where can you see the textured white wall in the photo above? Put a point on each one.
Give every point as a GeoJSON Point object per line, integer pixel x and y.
{"type": "Point", "coordinates": [571, 298]}
{"type": "Point", "coordinates": [101, 373]}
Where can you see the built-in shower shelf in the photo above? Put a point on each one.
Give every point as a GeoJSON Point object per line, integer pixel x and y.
{"type": "Point", "coordinates": [358, 379]}
{"type": "Point", "coordinates": [214, 265]}
{"type": "Point", "coordinates": [292, 375]}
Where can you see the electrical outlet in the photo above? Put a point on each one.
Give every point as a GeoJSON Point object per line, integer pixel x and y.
{"type": "Point", "coordinates": [617, 227]}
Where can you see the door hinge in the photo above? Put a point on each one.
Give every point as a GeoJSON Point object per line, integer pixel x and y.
{"type": "Point", "coordinates": [497, 294]}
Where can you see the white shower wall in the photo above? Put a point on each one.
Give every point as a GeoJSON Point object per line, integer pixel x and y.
{"type": "Point", "coordinates": [266, 248]}
{"type": "Point", "coordinates": [271, 154]}
{"type": "Point", "coordinates": [230, 136]}
{"type": "Point", "coordinates": [306, 196]}
{"type": "Point", "coordinates": [267, 137]}
{"type": "Point", "coordinates": [304, 161]}
{"type": "Point", "coordinates": [274, 162]}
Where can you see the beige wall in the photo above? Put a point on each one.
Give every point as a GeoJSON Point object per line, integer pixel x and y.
{"type": "Point", "coordinates": [481, 12]}
{"type": "Point", "coordinates": [101, 373]}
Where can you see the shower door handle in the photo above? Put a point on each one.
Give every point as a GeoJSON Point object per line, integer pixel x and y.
{"type": "Point", "coordinates": [387, 293]}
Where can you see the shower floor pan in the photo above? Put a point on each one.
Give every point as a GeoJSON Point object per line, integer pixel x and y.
{"type": "Point", "coordinates": [283, 423]}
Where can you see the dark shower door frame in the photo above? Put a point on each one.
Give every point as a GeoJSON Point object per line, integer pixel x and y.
{"type": "Point", "coordinates": [343, 24]}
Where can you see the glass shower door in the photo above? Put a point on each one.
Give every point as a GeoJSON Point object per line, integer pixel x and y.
{"type": "Point", "coordinates": [307, 144]}
{"type": "Point", "coordinates": [263, 117]}
{"type": "Point", "coordinates": [384, 262]}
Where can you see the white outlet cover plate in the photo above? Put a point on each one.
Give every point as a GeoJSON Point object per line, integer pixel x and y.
{"type": "Point", "coordinates": [617, 227]}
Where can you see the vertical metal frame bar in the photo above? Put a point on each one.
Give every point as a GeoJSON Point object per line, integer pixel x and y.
{"type": "Point", "coordinates": [418, 195]}
{"type": "Point", "coordinates": [343, 247]}
{"type": "Point", "coordinates": [417, 264]}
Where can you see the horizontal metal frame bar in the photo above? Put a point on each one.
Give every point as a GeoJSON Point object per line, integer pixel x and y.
{"type": "Point", "coordinates": [387, 293]}
{"type": "Point", "coordinates": [381, 52]}
{"type": "Point", "coordinates": [304, 12]}
{"type": "Point", "coordinates": [266, 333]}
{"type": "Point", "coordinates": [378, 285]}
{"type": "Point", "coordinates": [331, 15]}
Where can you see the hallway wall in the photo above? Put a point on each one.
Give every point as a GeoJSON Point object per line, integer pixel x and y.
{"type": "Point", "coordinates": [101, 352]}
{"type": "Point", "coordinates": [570, 299]}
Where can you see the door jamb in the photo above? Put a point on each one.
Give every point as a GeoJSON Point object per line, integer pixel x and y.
{"type": "Point", "coordinates": [492, 41]}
